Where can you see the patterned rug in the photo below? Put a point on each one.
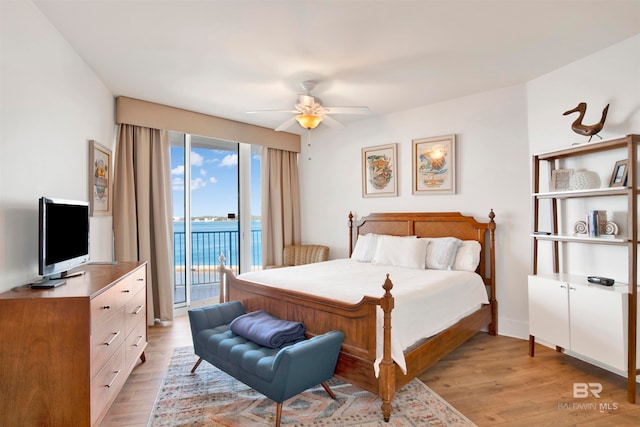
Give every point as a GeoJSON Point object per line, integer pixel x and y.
{"type": "Point", "coordinates": [212, 398]}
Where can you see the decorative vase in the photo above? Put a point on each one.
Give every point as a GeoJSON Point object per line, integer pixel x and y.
{"type": "Point", "coordinates": [584, 180]}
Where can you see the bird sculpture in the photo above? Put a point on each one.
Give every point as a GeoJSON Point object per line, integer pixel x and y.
{"type": "Point", "coordinates": [587, 130]}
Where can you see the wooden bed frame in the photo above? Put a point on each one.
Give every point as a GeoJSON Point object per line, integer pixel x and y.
{"type": "Point", "coordinates": [358, 321]}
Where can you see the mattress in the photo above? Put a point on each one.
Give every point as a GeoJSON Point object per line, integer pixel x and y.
{"type": "Point", "coordinates": [426, 301]}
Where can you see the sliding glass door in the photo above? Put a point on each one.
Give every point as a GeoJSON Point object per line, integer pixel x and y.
{"type": "Point", "coordinates": [213, 214]}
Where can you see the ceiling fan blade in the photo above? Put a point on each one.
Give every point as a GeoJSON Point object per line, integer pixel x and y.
{"type": "Point", "coordinates": [347, 110]}
{"type": "Point", "coordinates": [331, 122]}
{"type": "Point", "coordinates": [273, 111]}
{"type": "Point", "coordinates": [287, 124]}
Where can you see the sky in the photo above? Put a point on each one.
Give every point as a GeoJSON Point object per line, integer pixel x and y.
{"type": "Point", "coordinates": [214, 182]}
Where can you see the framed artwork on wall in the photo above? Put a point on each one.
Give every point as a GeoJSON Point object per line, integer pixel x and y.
{"type": "Point", "coordinates": [434, 165]}
{"type": "Point", "coordinates": [100, 197]}
{"type": "Point", "coordinates": [380, 171]}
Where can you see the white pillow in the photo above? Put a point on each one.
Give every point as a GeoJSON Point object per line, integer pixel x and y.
{"type": "Point", "coordinates": [365, 248]}
{"type": "Point", "coordinates": [468, 256]}
{"type": "Point", "coordinates": [441, 252]}
{"type": "Point", "coordinates": [401, 251]}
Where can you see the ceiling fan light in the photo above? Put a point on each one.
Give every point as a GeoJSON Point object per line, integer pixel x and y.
{"type": "Point", "coordinates": [308, 121]}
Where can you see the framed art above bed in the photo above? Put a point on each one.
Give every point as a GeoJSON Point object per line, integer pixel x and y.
{"type": "Point", "coordinates": [434, 165]}
{"type": "Point", "coordinates": [380, 171]}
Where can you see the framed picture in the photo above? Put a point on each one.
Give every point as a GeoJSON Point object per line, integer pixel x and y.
{"type": "Point", "coordinates": [560, 179]}
{"type": "Point", "coordinates": [434, 165]}
{"type": "Point", "coordinates": [619, 174]}
{"type": "Point", "coordinates": [99, 179]}
{"type": "Point", "coordinates": [380, 171]}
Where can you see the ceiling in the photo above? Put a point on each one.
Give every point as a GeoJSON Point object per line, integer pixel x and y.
{"type": "Point", "coordinates": [226, 57]}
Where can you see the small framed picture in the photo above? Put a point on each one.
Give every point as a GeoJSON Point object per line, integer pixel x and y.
{"type": "Point", "coordinates": [100, 198]}
{"type": "Point", "coordinates": [560, 179]}
{"type": "Point", "coordinates": [619, 174]}
{"type": "Point", "coordinates": [380, 171]}
{"type": "Point", "coordinates": [434, 165]}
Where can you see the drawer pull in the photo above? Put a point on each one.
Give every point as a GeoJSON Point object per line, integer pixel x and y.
{"type": "Point", "coordinates": [139, 309]}
{"type": "Point", "coordinates": [115, 335]}
{"type": "Point", "coordinates": [106, 307]}
{"type": "Point", "coordinates": [126, 291]}
{"type": "Point", "coordinates": [140, 279]}
{"type": "Point", "coordinates": [113, 379]}
{"type": "Point", "coordinates": [140, 338]}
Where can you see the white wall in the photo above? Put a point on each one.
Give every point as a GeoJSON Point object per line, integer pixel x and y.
{"type": "Point", "coordinates": [52, 104]}
{"type": "Point", "coordinates": [492, 172]}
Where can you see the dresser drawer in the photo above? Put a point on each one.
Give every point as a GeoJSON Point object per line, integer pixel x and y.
{"type": "Point", "coordinates": [135, 281]}
{"type": "Point", "coordinates": [107, 383]}
{"type": "Point", "coordinates": [106, 339]}
{"type": "Point", "coordinates": [135, 310]}
{"type": "Point", "coordinates": [105, 305]}
{"type": "Point", "coordinates": [136, 342]}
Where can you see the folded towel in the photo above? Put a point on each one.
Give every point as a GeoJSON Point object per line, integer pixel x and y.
{"type": "Point", "coordinates": [266, 330]}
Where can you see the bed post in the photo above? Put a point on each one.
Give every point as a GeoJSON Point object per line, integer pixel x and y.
{"type": "Point", "coordinates": [493, 326]}
{"type": "Point", "coordinates": [223, 279]}
{"type": "Point", "coordinates": [387, 366]}
{"type": "Point", "coordinates": [350, 234]}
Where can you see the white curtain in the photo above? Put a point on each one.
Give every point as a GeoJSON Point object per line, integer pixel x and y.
{"type": "Point", "coordinates": [280, 203]}
{"type": "Point", "coordinates": [142, 212]}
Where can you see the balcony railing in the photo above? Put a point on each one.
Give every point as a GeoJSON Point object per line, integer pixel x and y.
{"type": "Point", "coordinates": [206, 247]}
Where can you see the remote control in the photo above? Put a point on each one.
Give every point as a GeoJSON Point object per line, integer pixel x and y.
{"type": "Point", "coordinates": [605, 281]}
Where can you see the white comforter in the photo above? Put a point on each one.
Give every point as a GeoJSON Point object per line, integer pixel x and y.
{"type": "Point", "coordinates": [426, 301]}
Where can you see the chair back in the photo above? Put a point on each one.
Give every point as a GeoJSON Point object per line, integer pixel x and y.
{"type": "Point", "coordinates": [305, 254]}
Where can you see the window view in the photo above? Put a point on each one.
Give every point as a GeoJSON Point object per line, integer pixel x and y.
{"type": "Point", "coordinates": [206, 217]}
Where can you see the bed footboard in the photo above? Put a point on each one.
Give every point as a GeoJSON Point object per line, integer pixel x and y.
{"type": "Point", "coordinates": [357, 321]}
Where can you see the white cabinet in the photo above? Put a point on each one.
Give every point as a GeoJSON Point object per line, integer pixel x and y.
{"type": "Point", "coordinates": [565, 310]}
{"type": "Point", "coordinates": [549, 311]}
{"type": "Point", "coordinates": [590, 320]}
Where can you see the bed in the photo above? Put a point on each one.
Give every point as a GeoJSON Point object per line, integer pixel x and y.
{"type": "Point", "coordinates": [370, 356]}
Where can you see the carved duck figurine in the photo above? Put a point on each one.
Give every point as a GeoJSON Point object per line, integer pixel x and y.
{"type": "Point", "coordinates": [587, 130]}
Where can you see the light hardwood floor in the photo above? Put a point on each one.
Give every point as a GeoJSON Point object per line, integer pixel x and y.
{"type": "Point", "coordinates": [491, 380]}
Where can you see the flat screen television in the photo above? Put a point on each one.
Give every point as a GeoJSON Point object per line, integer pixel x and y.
{"type": "Point", "coordinates": [63, 236]}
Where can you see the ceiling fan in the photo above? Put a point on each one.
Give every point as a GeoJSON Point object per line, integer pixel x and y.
{"type": "Point", "coordinates": [309, 111]}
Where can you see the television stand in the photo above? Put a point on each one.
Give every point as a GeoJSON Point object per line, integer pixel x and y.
{"type": "Point", "coordinates": [48, 283]}
{"type": "Point", "coordinates": [66, 353]}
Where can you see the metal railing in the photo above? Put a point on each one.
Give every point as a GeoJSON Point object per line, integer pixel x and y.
{"type": "Point", "coordinates": [206, 247]}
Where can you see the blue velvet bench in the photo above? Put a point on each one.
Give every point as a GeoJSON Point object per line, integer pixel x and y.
{"type": "Point", "coordinates": [278, 373]}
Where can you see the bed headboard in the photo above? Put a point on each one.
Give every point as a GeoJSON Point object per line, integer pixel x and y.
{"type": "Point", "coordinates": [434, 224]}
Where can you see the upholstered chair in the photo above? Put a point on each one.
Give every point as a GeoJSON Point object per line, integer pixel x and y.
{"type": "Point", "coordinates": [302, 254]}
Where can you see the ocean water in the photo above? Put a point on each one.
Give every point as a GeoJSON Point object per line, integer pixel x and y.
{"type": "Point", "coordinates": [212, 238]}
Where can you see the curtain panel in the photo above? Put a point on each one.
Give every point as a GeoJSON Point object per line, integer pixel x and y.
{"type": "Point", "coordinates": [142, 212]}
{"type": "Point", "coordinates": [280, 193]}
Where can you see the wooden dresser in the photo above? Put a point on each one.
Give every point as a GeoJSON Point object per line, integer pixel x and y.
{"type": "Point", "coordinates": [66, 352]}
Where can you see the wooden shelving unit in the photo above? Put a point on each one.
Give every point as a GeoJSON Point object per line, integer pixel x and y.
{"type": "Point", "coordinates": [553, 160]}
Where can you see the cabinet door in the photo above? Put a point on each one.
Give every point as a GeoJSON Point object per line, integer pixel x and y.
{"type": "Point", "coordinates": [597, 319]}
{"type": "Point", "coordinates": [549, 311]}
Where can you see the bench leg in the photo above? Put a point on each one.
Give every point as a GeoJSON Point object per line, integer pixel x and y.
{"type": "Point", "coordinates": [278, 413]}
{"type": "Point", "coordinates": [196, 365]}
{"type": "Point", "coordinates": [329, 391]}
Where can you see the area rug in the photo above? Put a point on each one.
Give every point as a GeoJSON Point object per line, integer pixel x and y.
{"type": "Point", "coordinates": [210, 397]}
